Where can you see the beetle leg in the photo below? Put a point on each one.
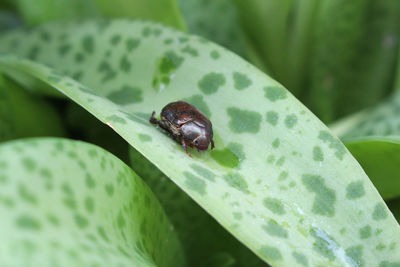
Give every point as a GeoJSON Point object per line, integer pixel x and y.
{"type": "Point", "coordinates": [212, 144]}
{"type": "Point", "coordinates": [185, 147]}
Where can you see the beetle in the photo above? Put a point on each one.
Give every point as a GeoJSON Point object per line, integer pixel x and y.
{"type": "Point", "coordinates": [186, 124]}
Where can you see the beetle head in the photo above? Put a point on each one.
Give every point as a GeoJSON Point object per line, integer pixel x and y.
{"type": "Point", "coordinates": [201, 142]}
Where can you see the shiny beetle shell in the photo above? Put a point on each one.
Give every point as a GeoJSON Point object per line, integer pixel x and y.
{"type": "Point", "coordinates": [186, 124]}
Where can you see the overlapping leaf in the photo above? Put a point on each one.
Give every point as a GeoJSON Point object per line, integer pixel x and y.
{"type": "Point", "coordinates": [68, 203]}
{"type": "Point", "coordinates": [23, 114]}
{"type": "Point", "coordinates": [373, 137]}
{"type": "Point", "coordinates": [278, 180]}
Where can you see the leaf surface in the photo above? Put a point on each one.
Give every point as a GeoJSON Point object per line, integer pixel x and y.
{"type": "Point", "coordinates": [205, 241]}
{"type": "Point", "coordinates": [68, 203]}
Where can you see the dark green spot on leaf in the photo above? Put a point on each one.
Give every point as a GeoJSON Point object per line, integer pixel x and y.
{"type": "Point", "coordinates": [27, 222]}
{"type": "Point", "coordinates": [270, 253]}
{"type": "Point", "coordinates": [274, 205]}
{"type": "Point", "coordinates": [195, 183]}
{"type": "Point", "coordinates": [241, 81]}
{"type": "Point", "coordinates": [275, 93]}
{"type": "Point", "coordinates": [355, 190]}
{"type": "Point", "coordinates": [272, 117]}
{"type": "Point", "coordinates": [290, 121]}
{"type": "Point", "coordinates": [237, 181]}
{"type": "Point", "coordinates": [379, 212]}
{"type": "Point", "coordinates": [126, 95]}
{"type": "Point", "coordinates": [244, 121]}
{"type": "Point", "coordinates": [318, 155]}
{"type": "Point", "coordinates": [207, 174]}
{"type": "Point", "coordinates": [324, 203]}
{"type": "Point", "coordinates": [274, 229]}
{"type": "Point", "coordinates": [211, 82]}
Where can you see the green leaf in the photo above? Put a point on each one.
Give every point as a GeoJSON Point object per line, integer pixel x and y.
{"type": "Point", "coordinates": [394, 206]}
{"type": "Point", "coordinates": [373, 137]}
{"type": "Point", "coordinates": [265, 23]}
{"type": "Point", "coordinates": [68, 203]}
{"type": "Point", "coordinates": [274, 163]}
{"type": "Point", "coordinates": [203, 18]}
{"type": "Point", "coordinates": [380, 159]}
{"type": "Point", "coordinates": [354, 56]}
{"type": "Point", "coordinates": [205, 242]}
{"type": "Point", "coordinates": [23, 114]}
{"type": "Point", "coordinates": [39, 11]}
{"type": "Point", "coordinates": [282, 33]}
{"type": "Point", "coordinates": [163, 11]}
{"type": "Point", "coordinates": [397, 81]}
{"type": "Point", "coordinates": [300, 42]}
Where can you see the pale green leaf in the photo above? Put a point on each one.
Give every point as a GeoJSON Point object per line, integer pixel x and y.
{"type": "Point", "coordinates": [68, 203]}
{"type": "Point", "coordinates": [275, 163]}
{"type": "Point", "coordinates": [205, 242]}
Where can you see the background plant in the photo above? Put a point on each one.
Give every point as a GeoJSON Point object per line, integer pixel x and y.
{"type": "Point", "coordinates": [279, 180]}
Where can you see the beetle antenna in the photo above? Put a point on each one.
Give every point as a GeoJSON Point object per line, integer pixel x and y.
{"type": "Point", "coordinates": [152, 119]}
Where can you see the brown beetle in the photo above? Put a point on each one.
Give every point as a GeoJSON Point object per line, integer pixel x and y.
{"type": "Point", "coordinates": [186, 124]}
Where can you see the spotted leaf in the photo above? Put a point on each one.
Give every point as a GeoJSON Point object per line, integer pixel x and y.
{"type": "Point", "coordinates": [68, 203]}
{"type": "Point", "coordinates": [202, 237]}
